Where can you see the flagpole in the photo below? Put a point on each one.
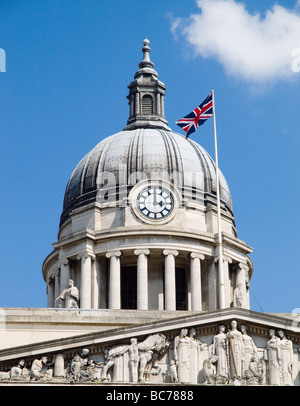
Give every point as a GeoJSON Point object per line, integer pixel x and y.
{"type": "Point", "coordinates": [220, 240]}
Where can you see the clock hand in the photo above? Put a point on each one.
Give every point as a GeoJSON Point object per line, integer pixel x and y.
{"type": "Point", "coordinates": [155, 197]}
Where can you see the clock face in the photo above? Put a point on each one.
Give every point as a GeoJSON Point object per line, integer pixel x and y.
{"type": "Point", "coordinates": [155, 202]}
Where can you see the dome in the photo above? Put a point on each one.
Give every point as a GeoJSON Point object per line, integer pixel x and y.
{"type": "Point", "coordinates": [146, 148]}
{"type": "Point", "coordinates": [129, 156]}
{"type": "Point", "coordinates": [142, 225]}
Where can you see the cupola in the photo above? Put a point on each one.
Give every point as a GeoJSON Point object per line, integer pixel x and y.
{"type": "Point", "coordinates": [146, 96]}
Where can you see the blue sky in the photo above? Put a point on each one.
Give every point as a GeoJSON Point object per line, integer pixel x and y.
{"type": "Point", "coordinates": [67, 67]}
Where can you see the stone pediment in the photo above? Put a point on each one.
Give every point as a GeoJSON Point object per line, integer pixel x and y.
{"type": "Point", "coordinates": [231, 346]}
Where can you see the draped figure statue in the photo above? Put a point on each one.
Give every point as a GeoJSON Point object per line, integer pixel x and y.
{"type": "Point", "coordinates": [274, 358]}
{"type": "Point", "coordinates": [181, 353]}
{"type": "Point", "coordinates": [188, 355]}
{"type": "Point", "coordinates": [219, 349]}
{"type": "Point", "coordinates": [286, 359]}
{"type": "Point", "coordinates": [250, 349]}
{"type": "Point", "coordinates": [236, 351]}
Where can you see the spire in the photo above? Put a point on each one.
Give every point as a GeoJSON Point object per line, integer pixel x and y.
{"type": "Point", "coordinates": [146, 96]}
{"type": "Point", "coordinates": [146, 65]}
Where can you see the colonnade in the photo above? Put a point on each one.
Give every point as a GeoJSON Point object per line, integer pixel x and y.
{"type": "Point", "coordinates": [90, 281]}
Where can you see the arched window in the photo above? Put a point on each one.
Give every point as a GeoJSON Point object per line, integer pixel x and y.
{"type": "Point", "coordinates": [147, 105]}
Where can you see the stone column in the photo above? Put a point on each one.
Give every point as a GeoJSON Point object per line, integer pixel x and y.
{"type": "Point", "coordinates": [162, 106]}
{"type": "Point", "coordinates": [228, 298]}
{"type": "Point", "coordinates": [142, 278]}
{"type": "Point", "coordinates": [158, 109]}
{"type": "Point", "coordinates": [137, 103]}
{"type": "Point", "coordinates": [50, 293]}
{"type": "Point", "coordinates": [95, 284]}
{"type": "Point", "coordinates": [224, 285]}
{"type": "Point", "coordinates": [195, 281]}
{"type": "Point", "coordinates": [212, 287]}
{"type": "Point", "coordinates": [56, 288]}
{"type": "Point", "coordinates": [114, 298]}
{"type": "Point", "coordinates": [131, 103]}
{"type": "Point", "coordinates": [59, 370]}
{"type": "Point", "coordinates": [85, 280]}
{"type": "Point", "coordinates": [170, 283]}
{"type": "Point", "coordinates": [64, 274]}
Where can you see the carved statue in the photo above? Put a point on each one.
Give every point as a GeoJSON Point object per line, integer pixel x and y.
{"type": "Point", "coordinates": [189, 354]}
{"type": "Point", "coordinates": [142, 358]}
{"type": "Point", "coordinates": [210, 370]}
{"type": "Point", "coordinates": [70, 296]}
{"type": "Point", "coordinates": [93, 370]}
{"type": "Point", "coordinates": [250, 349]}
{"type": "Point", "coordinates": [236, 351]}
{"type": "Point", "coordinates": [259, 369]}
{"type": "Point", "coordinates": [181, 353]}
{"type": "Point", "coordinates": [274, 358]}
{"type": "Point", "coordinates": [81, 368]}
{"type": "Point", "coordinates": [286, 359]}
{"type": "Point", "coordinates": [239, 296]}
{"type": "Point", "coordinates": [219, 348]}
{"type": "Point", "coordinates": [75, 367]}
{"type": "Point", "coordinates": [150, 351]}
{"type": "Point", "coordinates": [40, 371]}
{"type": "Point", "coordinates": [195, 349]}
{"type": "Point", "coordinates": [232, 358]}
{"type": "Point", "coordinates": [237, 357]}
{"type": "Point", "coordinates": [256, 374]}
{"type": "Point", "coordinates": [173, 371]}
{"type": "Point", "coordinates": [187, 350]}
{"type": "Point", "coordinates": [19, 372]}
{"type": "Point", "coordinates": [134, 359]}
{"type": "Point", "coordinates": [113, 355]}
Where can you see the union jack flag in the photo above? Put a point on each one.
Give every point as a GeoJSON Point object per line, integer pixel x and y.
{"type": "Point", "coordinates": [197, 117]}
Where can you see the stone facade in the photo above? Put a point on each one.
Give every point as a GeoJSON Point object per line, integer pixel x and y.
{"type": "Point", "coordinates": [140, 289]}
{"type": "Point", "coordinates": [200, 349]}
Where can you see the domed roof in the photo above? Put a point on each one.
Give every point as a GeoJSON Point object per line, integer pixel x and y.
{"type": "Point", "coordinates": [129, 156]}
{"type": "Point", "coordinates": [146, 148]}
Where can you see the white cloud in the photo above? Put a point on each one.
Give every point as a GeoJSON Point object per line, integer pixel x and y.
{"type": "Point", "coordinates": [251, 46]}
